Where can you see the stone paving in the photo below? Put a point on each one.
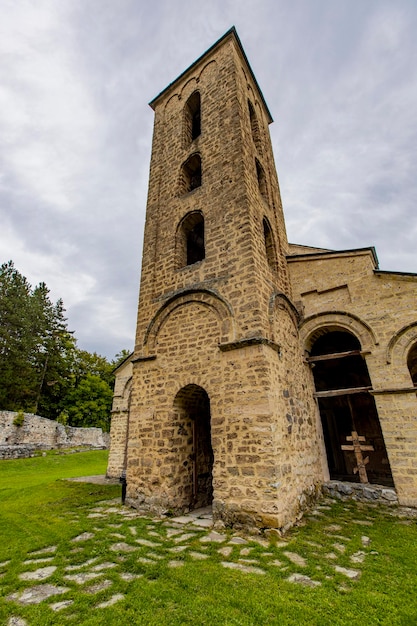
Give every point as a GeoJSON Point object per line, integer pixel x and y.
{"type": "Point", "coordinates": [174, 543]}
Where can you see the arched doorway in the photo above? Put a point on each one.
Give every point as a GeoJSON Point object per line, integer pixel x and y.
{"type": "Point", "coordinates": [342, 386]}
{"type": "Point", "coordinates": [192, 442]}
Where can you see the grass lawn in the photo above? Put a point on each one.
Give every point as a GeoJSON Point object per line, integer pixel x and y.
{"type": "Point", "coordinates": [114, 567]}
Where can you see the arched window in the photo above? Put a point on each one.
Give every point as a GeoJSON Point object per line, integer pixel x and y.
{"type": "Point", "coordinates": [261, 180]}
{"type": "Point", "coordinates": [269, 245]}
{"type": "Point", "coordinates": [254, 126]}
{"type": "Point", "coordinates": [192, 118]}
{"type": "Point", "coordinates": [190, 177]}
{"type": "Point", "coordinates": [412, 364]}
{"type": "Point", "coordinates": [190, 247]}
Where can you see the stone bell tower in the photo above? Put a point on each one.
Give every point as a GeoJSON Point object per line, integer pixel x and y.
{"type": "Point", "coordinates": [222, 409]}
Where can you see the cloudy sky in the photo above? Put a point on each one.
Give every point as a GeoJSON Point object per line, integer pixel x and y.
{"type": "Point", "coordinates": [340, 79]}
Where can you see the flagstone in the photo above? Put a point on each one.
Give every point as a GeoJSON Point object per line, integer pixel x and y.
{"type": "Point", "coordinates": [103, 566]}
{"type": "Point", "coordinates": [116, 598]}
{"type": "Point", "coordinates": [203, 522]}
{"type": "Point", "coordinates": [333, 527]}
{"type": "Point", "coordinates": [339, 547]}
{"type": "Point", "coordinates": [365, 541]}
{"type": "Point", "coordinates": [123, 547]}
{"type": "Point", "coordinates": [40, 574]}
{"type": "Point", "coordinates": [16, 621]}
{"type": "Point", "coordinates": [83, 537]}
{"type": "Point", "coordinates": [248, 569]}
{"type": "Point", "coordinates": [276, 563]}
{"type": "Point", "coordinates": [331, 556]}
{"type": "Point", "coordinates": [226, 551]}
{"type": "Point", "coordinates": [35, 595]}
{"type": "Point", "coordinates": [295, 558]}
{"type": "Point", "coordinates": [301, 579]}
{"type": "Point", "coordinates": [214, 537]}
{"type": "Point", "coordinates": [178, 549]}
{"type": "Point", "coordinates": [246, 551]}
{"type": "Point", "coordinates": [4, 563]}
{"type": "Point", "coordinates": [182, 519]}
{"type": "Point", "coordinates": [97, 587]}
{"type": "Point", "coordinates": [58, 606]}
{"type": "Point", "coordinates": [70, 568]}
{"type": "Point", "coordinates": [133, 530]}
{"type": "Point", "coordinates": [81, 577]}
{"type": "Point", "coordinates": [143, 559]}
{"type": "Point", "coordinates": [358, 557]}
{"type": "Point", "coordinates": [175, 563]}
{"type": "Point", "coordinates": [198, 556]}
{"type": "Point", "coordinates": [353, 574]}
{"type": "Point", "coordinates": [117, 536]}
{"type": "Point", "coordinates": [238, 541]}
{"type": "Point", "coordinates": [153, 555]}
{"type": "Point", "coordinates": [184, 537]}
{"type": "Point", "coordinates": [128, 576]}
{"type": "Point", "coordinates": [171, 532]}
{"type": "Point", "coordinates": [47, 559]}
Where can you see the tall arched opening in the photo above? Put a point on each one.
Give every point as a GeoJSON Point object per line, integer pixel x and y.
{"type": "Point", "coordinates": [192, 443]}
{"type": "Point", "coordinates": [346, 405]}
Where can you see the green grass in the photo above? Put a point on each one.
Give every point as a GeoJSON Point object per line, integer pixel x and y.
{"type": "Point", "coordinates": [39, 509]}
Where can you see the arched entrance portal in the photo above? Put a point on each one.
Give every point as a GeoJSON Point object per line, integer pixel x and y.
{"type": "Point", "coordinates": [342, 388]}
{"type": "Point", "coordinates": [192, 442]}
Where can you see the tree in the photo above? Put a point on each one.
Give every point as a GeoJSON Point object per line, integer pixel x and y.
{"type": "Point", "coordinates": [41, 369]}
{"type": "Point", "coordinates": [89, 403]}
{"type": "Point", "coordinates": [36, 348]}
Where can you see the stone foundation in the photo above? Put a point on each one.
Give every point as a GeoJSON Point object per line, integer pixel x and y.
{"type": "Point", "coordinates": [360, 492]}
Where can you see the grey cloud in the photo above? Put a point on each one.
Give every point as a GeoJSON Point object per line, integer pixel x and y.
{"type": "Point", "coordinates": [340, 79]}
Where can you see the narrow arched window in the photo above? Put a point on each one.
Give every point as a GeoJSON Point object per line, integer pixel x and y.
{"type": "Point", "coordinates": [261, 179]}
{"type": "Point", "coordinates": [192, 118]}
{"type": "Point", "coordinates": [412, 364]}
{"type": "Point", "coordinates": [254, 126]}
{"type": "Point", "coordinates": [190, 177]}
{"type": "Point", "coordinates": [190, 246]}
{"type": "Point", "coordinates": [269, 245]}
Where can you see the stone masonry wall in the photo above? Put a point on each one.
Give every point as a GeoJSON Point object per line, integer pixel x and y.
{"type": "Point", "coordinates": [344, 291]}
{"type": "Point", "coordinates": [42, 433]}
{"type": "Point", "coordinates": [209, 327]}
{"type": "Point", "coordinates": [120, 420]}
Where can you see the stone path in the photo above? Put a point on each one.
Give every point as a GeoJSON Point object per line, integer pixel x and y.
{"type": "Point", "coordinates": [173, 543]}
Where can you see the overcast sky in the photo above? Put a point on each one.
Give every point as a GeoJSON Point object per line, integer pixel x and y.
{"type": "Point", "coordinates": [339, 77]}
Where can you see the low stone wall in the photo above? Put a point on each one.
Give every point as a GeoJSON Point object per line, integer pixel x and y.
{"type": "Point", "coordinates": [362, 493]}
{"type": "Point", "coordinates": [16, 452]}
{"type": "Point", "coordinates": [43, 434]}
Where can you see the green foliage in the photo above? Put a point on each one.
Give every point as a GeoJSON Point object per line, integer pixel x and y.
{"type": "Point", "coordinates": [19, 420]}
{"type": "Point", "coordinates": [35, 346]}
{"type": "Point", "coordinates": [63, 418]}
{"type": "Point", "coordinates": [89, 403]}
{"type": "Point", "coordinates": [41, 369]}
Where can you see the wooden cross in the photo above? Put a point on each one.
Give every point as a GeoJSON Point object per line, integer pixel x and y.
{"type": "Point", "coordinates": [358, 447]}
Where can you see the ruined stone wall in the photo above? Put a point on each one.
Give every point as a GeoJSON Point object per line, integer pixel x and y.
{"type": "Point", "coordinates": [46, 434]}
{"type": "Point", "coordinates": [345, 292]}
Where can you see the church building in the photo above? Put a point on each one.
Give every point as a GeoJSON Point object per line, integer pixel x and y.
{"type": "Point", "coordinates": [261, 369]}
